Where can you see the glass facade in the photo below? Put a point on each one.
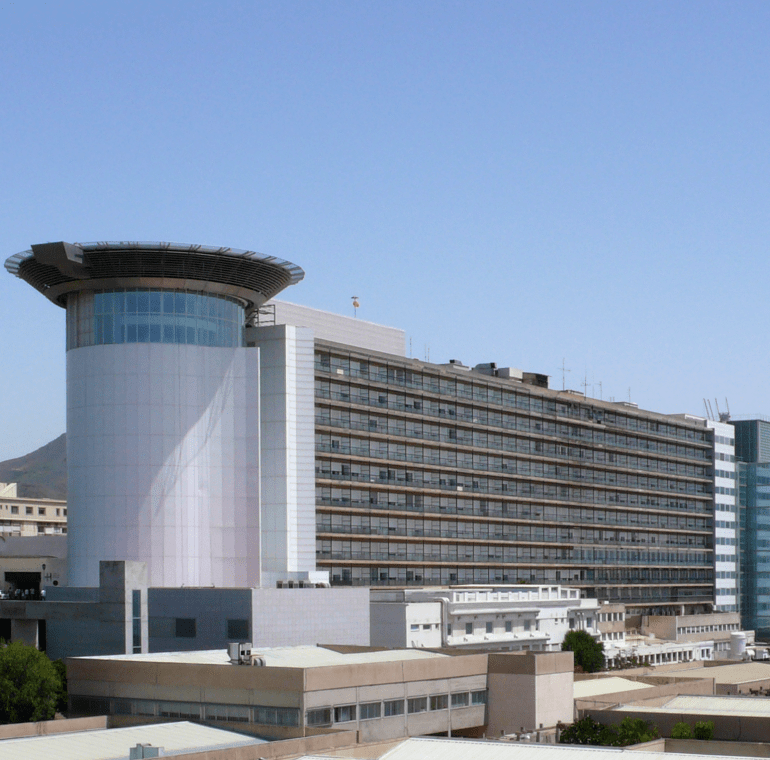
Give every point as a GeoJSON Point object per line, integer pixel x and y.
{"type": "Point", "coordinates": [755, 547]}
{"type": "Point", "coordinates": [153, 316]}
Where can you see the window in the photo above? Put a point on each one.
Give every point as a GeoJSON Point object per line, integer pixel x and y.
{"type": "Point", "coordinates": [28, 510]}
{"type": "Point", "coordinates": [276, 716]}
{"type": "Point", "coordinates": [460, 699]}
{"type": "Point", "coordinates": [344, 713]}
{"type": "Point", "coordinates": [321, 717]}
{"type": "Point", "coordinates": [41, 510]}
{"type": "Point", "coordinates": [468, 628]}
{"type": "Point", "coordinates": [509, 626]}
{"type": "Point", "coordinates": [136, 615]}
{"type": "Point", "coordinates": [14, 510]}
{"type": "Point", "coordinates": [489, 627]}
{"type": "Point", "coordinates": [370, 710]}
{"type": "Point", "coordinates": [238, 630]}
{"type": "Point", "coordinates": [394, 707]}
{"type": "Point", "coordinates": [185, 628]}
{"type": "Point", "coordinates": [417, 705]}
{"type": "Point", "coordinates": [479, 697]}
{"type": "Point", "coordinates": [439, 702]}
{"type": "Point", "coordinates": [414, 627]}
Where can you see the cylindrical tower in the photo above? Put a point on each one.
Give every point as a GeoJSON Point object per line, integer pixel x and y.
{"type": "Point", "coordinates": [162, 404]}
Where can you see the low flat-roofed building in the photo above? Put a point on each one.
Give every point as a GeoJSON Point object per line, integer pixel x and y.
{"type": "Point", "coordinates": [739, 677]}
{"type": "Point", "coordinates": [116, 743]}
{"type": "Point", "coordinates": [591, 687]}
{"type": "Point", "coordinates": [498, 617]}
{"type": "Point", "coordinates": [735, 718]}
{"type": "Point", "coordinates": [292, 692]}
{"type": "Point", "coordinates": [22, 516]}
{"type": "Point", "coordinates": [429, 748]}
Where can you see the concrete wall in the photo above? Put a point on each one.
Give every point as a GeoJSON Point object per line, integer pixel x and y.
{"type": "Point", "coordinates": [293, 616]}
{"type": "Point", "coordinates": [529, 691]}
{"type": "Point", "coordinates": [334, 327]}
{"type": "Point", "coordinates": [412, 624]}
{"type": "Point", "coordinates": [211, 608]}
{"type": "Point", "coordinates": [388, 624]}
{"type": "Point", "coordinates": [287, 449]}
{"type": "Point", "coordinates": [300, 688]}
{"type": "Point", "coordinates": [49, 727]}
{"type": "Point", "coordinates": [734, 728]}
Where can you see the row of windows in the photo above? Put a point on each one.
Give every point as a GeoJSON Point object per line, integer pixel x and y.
{"type": "Point", "coordinates": [41, 511]}
{"type": "Point", "coordinates": [187, 628]}
{"type": "Point", "coordinates": [468, 506]}
{"type": "Point", "coordinates": [415, 478]}
{"type": "Point", "coordinates": [473, 460]}
{"type": "Point", "coordinates": [154, 316]}
{"type": "Point", "coordinates": [478, 389]}
{"type": "Point", "coordinates": [503, 532]}
{"type": "Point", "coordinates": [479, 438]}
{"type": "Point", "coordinates": [445, 481]}
{"type": "Point", "coordinates": [395, 551]}
{"type": "Point", "coordinates": [475, 416]}
{"type": "Point", "coordinates": [649, 580]}
{"type": "Point", "coordinates": [261, 715]}
{"type": "Point", "coordinates": [325, 716]}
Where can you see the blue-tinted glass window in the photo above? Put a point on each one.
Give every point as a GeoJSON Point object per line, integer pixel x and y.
{"type": "Point", "coordinates": [153, 316]}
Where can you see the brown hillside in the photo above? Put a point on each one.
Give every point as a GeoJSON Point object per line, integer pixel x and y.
{"type": "Point", "coordinates": [41, 474]}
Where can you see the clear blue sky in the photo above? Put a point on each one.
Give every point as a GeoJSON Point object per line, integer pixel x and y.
{"type": "Point", "coordinates": [518, 182]}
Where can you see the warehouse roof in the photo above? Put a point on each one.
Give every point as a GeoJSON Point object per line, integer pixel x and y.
{"type": "Point", "coordinates": [280, 657]}
{"type": "Point", "coordinates": [115, 743]}
{"type": "Point", "coordinates": [596, 686]}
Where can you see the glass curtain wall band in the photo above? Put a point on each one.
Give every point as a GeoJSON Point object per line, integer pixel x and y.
{"type": "Point", "coordinates": [153, 316]}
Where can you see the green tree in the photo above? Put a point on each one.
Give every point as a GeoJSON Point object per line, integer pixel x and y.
{"type": "Point", "coordinates": [704, 730]}
{"type": "Point", "coordinates": [681, 730]}
{"type": "Point", "coordinates": [589, 653]}
{"type": "Point", "coordinates": [589, 731]}
{"type": "Point", "coordinates": [635, 731]}
{"type": "Point", "coordinates": [586, 731]}
{"type": "Point", "coordinates": [29, 684]}
{"type": "Point", "coordinates": [61, 698]}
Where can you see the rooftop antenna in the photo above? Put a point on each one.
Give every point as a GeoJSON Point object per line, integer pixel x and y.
{"type": "Point", "coordinates": [564, 370]}
{"type": "Point", "coordinates": [355, 305]}
{"type": "Point", "coordinates": [600, 389]}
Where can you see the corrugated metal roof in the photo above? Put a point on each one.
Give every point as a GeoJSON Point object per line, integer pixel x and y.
{"type": "Point", "coordinates": [745, 706]}
{"type": "Point", "coordinates": [740, 672]}
{"type": "Point", "coordinates": [283, 657]}
{"type": "Point", "coordinates": [594, 687]}
{"type": "Point", "coordinates": [115, 743]}
{"type": "Point", "coordinates": [462, 749]}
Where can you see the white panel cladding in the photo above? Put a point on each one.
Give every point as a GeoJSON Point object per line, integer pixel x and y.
{"type": "Point", "coordinates": [163, 462]}
{"type": "Point", "coordinates": [334, 327]}
{"type": "Point", "coordinates": [285, 617]}
{"type": "Point", "coordinates": [288, 442]}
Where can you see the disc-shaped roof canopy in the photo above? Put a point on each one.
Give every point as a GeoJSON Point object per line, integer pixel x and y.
{"type": "Point", "coordinates": [56, 269]}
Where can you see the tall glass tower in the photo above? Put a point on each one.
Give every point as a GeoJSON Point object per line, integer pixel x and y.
{"type": "Point", "coordinates": [163, 409]}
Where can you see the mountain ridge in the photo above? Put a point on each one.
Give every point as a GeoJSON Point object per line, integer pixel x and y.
{"type": "Point", "coordinates": [41, 474]}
